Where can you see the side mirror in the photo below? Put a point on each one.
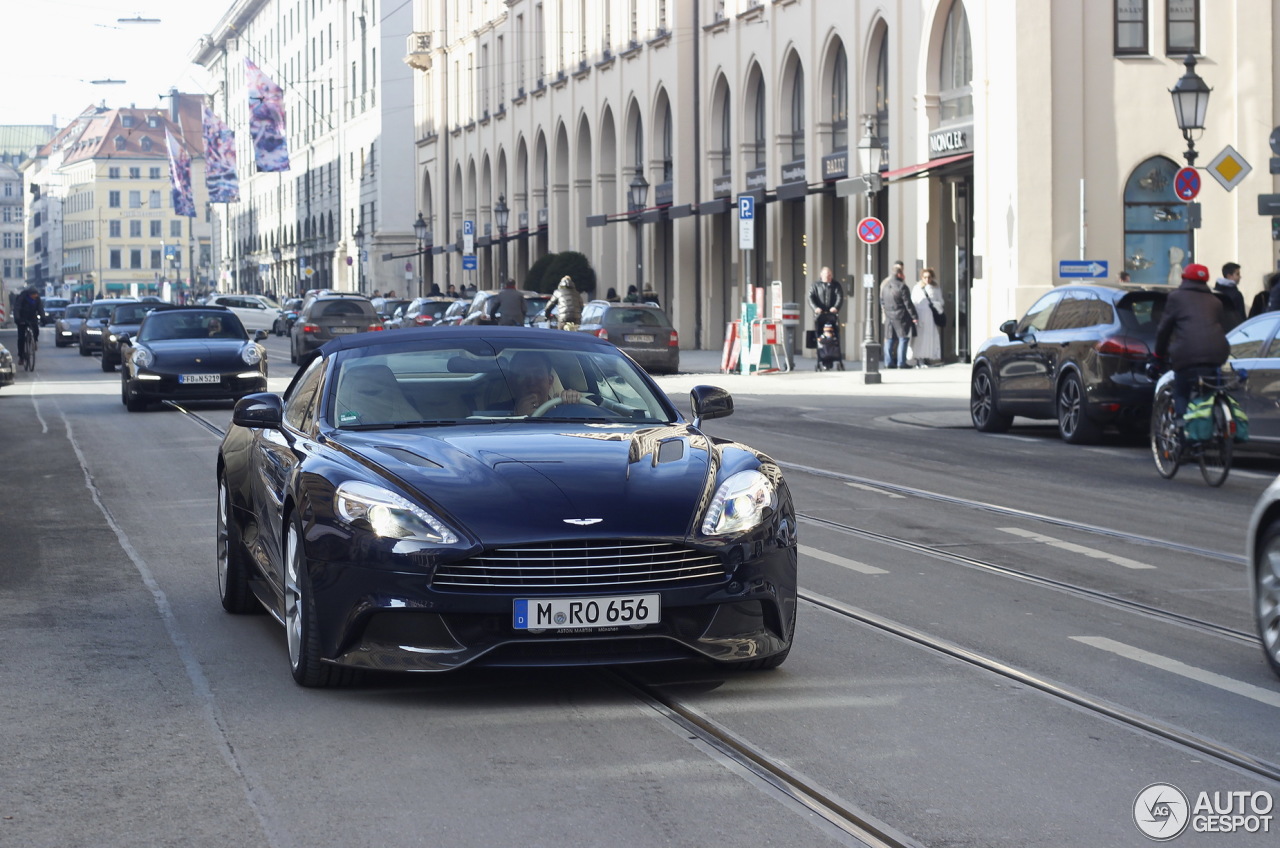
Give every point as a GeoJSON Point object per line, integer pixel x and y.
{"type": "Point", "coordinates": [259, 411]}
{"type": "Point", "coordinates": [260, 335]}
{"type": "Point", "coordinates": [1009, 328]}
{"type": "Point", "coordinates": [709, 402]}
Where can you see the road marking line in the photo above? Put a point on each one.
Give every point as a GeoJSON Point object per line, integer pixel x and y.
{"type": "Point", "coordinates": [1124, 562]}
{"type": "Point", "coordinates": [852, 565]}
{"type": "Point", "coordinates": [875, 489]}
{"type": "Point", "coordinates": [1266, 696]}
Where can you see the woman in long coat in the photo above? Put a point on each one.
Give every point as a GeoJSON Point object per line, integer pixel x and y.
{"type": "Point", "coordinates": [926, 295]}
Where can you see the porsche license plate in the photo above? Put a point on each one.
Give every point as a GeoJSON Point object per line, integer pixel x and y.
{"type": "Point", "coordinates": [199, 378]}
{"type": "Point", "coordinates": [638, 339]}
{"type": "Point", "coordinates": [570, 613]}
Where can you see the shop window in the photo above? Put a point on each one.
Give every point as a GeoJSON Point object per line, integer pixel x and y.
{"type": "Point", "coordinates": [797, 114]}
{"type": "Point", "coordinates": [1182, 27]}
{"type": "Point", "coordinates": [840, 101]}
{"type": "Point", "coordinates": [955, 89]}
{"type": "Point", "coordinates": [1131, 27]}
{"type": "Point", "coordinates": [1157, 241]}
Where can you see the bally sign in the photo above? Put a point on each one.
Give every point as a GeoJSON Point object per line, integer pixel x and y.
{"type": "Point", "coordinates": [951, 141]}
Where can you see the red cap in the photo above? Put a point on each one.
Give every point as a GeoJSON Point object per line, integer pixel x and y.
{"type": "Point", "coordinates": [1196, 272]}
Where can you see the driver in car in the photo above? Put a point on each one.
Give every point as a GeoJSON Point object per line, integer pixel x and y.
{"type": "Point", "coordinates": [532, 381]}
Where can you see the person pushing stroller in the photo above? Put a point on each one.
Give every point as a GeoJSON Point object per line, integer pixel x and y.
{"type": "Point", "coordinates": [830, 355]}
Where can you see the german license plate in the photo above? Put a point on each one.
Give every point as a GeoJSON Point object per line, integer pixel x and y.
{"type": "Point", "coordinates": [337, 331]}
{"type": "Point", "coordinates": [199, 378]}
{"type": "Point", "coordinates": [638, 339]}
{"type": "Point", "coordinates": [572, 613]}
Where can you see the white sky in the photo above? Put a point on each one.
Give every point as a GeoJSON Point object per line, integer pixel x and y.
{"type": "Point", "coordinates": [55, 47]}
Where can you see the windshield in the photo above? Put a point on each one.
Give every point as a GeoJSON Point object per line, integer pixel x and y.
{"type": "Point", "coordinates": [132, 314]}
{"type": "Point", "coordinates": [479, 382]}
{"type": "Point", "coordinates": [77, 310]}
{"type": "Point", "coordinates": [192, 325]}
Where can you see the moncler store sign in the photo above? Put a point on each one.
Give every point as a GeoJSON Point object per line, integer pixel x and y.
{"type": "Point", "coordinates": [950, 141]}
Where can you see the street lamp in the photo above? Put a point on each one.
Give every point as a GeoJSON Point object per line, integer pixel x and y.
{"type": "Point", "coordinates": [639, 190]}
{"type": "Point", "coordinates": [503, 214]}
{"type": "Point", "coordinates": [277, 255]}
{"type": "Point", "coordinates": [869, 152]}
{"type": "Point", "coordinates": [358, 237]}
{"type": "Point", "coordinates": [420, 233]}
{"type": "Point", "coordinates": [1190, 103]}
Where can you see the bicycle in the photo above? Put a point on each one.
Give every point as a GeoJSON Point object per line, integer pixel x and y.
{"type": "Point", "coordinates": [1170, 446]}
{"type": "Point", "coordinates": [29, 347]}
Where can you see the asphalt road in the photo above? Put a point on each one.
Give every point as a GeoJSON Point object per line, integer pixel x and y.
{"type": "Point", "coordinates": [136, 712]}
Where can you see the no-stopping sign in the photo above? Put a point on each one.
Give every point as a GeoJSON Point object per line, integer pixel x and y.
{"type": "Point", "coordinates": [870, 230]}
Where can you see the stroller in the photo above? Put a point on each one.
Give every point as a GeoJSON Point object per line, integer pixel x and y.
{"type": "Point", "coordinates": [828, 345]}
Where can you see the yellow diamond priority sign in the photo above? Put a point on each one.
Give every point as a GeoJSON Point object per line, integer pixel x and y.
{"type": "Point", "coordinates": [1229, 168]}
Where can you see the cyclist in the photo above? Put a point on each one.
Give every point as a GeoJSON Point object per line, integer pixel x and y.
{"type": "Point", "coordinates": [1192, 337]}
{"type": "Point", "coordinates": [28, 312]}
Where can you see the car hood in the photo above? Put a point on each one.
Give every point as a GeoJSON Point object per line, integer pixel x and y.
{"type": "Point", "coordinates": [186, 351]}
{"type": "Point", "coordinates": [522, 482]}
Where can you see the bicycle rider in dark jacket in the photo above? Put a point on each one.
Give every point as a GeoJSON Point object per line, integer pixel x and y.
{"type": "Point", "coordinates": [27, 313]}
{"type": "Point", "coordinates": [1191, 337]}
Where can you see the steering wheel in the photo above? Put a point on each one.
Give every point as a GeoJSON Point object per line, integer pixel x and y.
{"type": "Point", "coordinates": [556, 401]}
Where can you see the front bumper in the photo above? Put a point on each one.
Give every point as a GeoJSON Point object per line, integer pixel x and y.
{"type": "Point", "coordinates": [386, 620]}
{"type": "Point", "coordinates": [90, 341]}
{"type": "Point", "coordinates": [167, 387]}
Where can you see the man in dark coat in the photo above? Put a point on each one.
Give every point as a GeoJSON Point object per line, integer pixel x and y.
{"type": "Point", "coordinates": [1227, 288]}
{"type": "Point", "coordinates": [826, 296]}
{"type": "Point", "coordinates": [507, 306]}
{"type": "Point", "coordinates": [899, 317]}
{"type": "Point", "coordinates": [1191, 338]}
{"type": "Point", "coordinates": [27, 312]}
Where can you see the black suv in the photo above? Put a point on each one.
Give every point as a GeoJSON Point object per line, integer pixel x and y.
{"type": "Point", "coordinates": [1079, 356]}
{"type": "Point", "coordinates": [328, 316]}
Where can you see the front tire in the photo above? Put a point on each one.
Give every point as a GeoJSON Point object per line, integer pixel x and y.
{"type": "Point", "coordinates": [984, 404]}
{"type": "Point", "coordinates": [1166, 447]}
{"type": "Point", "coordinates": [1215, 458]}
{"type": "Point", "coordinates": [300, 620]}
{"type": "Point", "coordinates": [1074, 424]}
{"type": "Point", "coordinates": [84, 351]}
{"type": "Point", "coordinates": [1266, 594]}
{"type": "Point", "coordinates": [108, 364]}
{"type": "Point", "coordinates": [233, 563]}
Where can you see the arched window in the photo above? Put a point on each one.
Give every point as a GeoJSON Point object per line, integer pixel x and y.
{"type": "Point", "coordinates": [797, 114]}
{"type": "Point", "coordinates": [840, 101]}
{"type": "Point", "coordinates": [726, 137]}
{"type": "Point", "coordinates": [1157, 243]}
{"type": "Point", "coordinates": [955, 92]}
{"type": "Point", "coordinates": [759, 125]}
{"type": "Point", "coordinates": [882, 101]}
{"type": "Point", "coordinates": [667, 147]}
{"type": "Point", "coordinates": [119, 142]}
{"type": "Point", "coordinates": [638, 142]}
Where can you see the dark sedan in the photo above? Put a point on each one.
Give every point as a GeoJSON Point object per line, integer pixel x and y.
{"type": "Point", "coordinates": [94, 325]}
{"type": "Point", "coordinates": [191, 353]}
{"type": "Point", "coordinates": [66, 330]}
{"type": "Point", "coordinates": [53, 309]}
{"type": "Point", "coordinates": [1078, 356]}
{"type": "Point", "coordinates": [405, 507]}
{"type": "Point", "coordinates": [124, 320]}
{"type": "Point", "coordinates": [642, 330]}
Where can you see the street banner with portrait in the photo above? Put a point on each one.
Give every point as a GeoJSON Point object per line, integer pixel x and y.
{"type": "Point", "coordinates": [184, 202]}
{"type": "Point", "coordinates": [220, 175]}
{"type": "Point", "coordinates": [266, 120]}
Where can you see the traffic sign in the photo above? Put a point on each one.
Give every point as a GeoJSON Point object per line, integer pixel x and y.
{"type": "Point", "coordinates": [1274, 141]}
{"type": "Point", "coordinates": [1091, 269]}
{"type": "Point", "coordinates": [469, 262]}
{"type": "Point", "coordinates": [870, 230]}
{"type": "Point", "coordinates": [1229, 168]}
{"type": "Point", "coordinates": [1186, 184]}
{"type": "Point", "coordinates": [468, 236]}
{"type": "Point", "coordinates": [746, 222]}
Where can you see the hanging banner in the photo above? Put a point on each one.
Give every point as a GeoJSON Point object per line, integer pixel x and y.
{"type": "Point", "coordinates": [220, 175]}
{"type": "Point", "coordinates": [266, 120]}
{"type": "Point", "coordinates": [184, 202]}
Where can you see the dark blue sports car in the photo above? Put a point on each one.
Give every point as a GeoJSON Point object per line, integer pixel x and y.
{"type": "Point", "coordinates": [432, 498]}
{"type": "Point", "coordinates": [190, 353]}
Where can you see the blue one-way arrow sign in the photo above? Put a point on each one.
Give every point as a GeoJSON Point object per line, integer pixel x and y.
{"type": "Point", "coordinates": [1091, 269]}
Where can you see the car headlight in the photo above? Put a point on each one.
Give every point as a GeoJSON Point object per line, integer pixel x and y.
{"type": "Point", "coordinates": [250, 354]}
{"type": "Point", "coordinates": [142, 358]}
{"type": "Point", "coordinates": [740, 504]}
{"type": "Point", "coordinates": [388, 515]}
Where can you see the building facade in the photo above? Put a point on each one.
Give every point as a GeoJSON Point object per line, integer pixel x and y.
{"type": "Point", "coordinates": [1012, 138]}
{"type": "Point", "coordinates": [349, 130]}
{"type": "Point", "coordinates": [17, 144]}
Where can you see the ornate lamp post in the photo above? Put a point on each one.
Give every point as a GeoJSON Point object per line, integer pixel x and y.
{"type": "Point", "coordinates": [1190, 104]}
{"type": "Point", "coordinates": [358, 238]}
{"type": "Point", "coordinates": [869, 152]}
{"type": "Point", "coordinates": [420, 233]}
{"type": "Point", "coordinates": [502, 214]}
{"type": "Point", "coordinates": [639, 191]}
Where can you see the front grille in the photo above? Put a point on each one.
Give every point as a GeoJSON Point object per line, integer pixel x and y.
{"type": "Point", "coordinates": [581, 565]}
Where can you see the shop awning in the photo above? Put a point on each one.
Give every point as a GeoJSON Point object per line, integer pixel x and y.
{"type": "Point", "coordinates": [924, 169]}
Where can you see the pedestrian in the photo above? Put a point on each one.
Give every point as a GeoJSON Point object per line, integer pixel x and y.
{"type": "Point", "coordinates": [506, 308]}
{"type": "Point", "coordinates": [611, 295]}
{"type": "Point", "coordinates": [1123, 278]}
{"type": "Point", "coordinates": [451, 291]}
{"type": "Point", "coordinates": [899, 317]}
{"type": "Point", "coordinates": [1273, 292]}
{"type": "Point", "coordinates": [435, 290]}
{"type": "Point", "coordinates": [1227, 288]}
{"type": "Point", "coordinates": [649, 296]}
{"type": "Point", "coordinates": [1191, 338]}
{"type": "Point", "coordinates": [826, 296]}
{"type": "Point", "coordinates": [931, 315]}
{"type": "Point", "coordinates": [633, 296]}
{"type": "Point", "coordinates": [567, 304]}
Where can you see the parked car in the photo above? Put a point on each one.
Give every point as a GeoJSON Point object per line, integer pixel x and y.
{"type": "Point", "coordinates": [1078, 356]}
{"type": "Point", "coordinates": [1263, 566]}
{"type": "Point", "coordinates": [453, 316]}
{"type": "Point", "coordinates": [8, 371]}
{"type": "Point", "coordinates": [386, 306]}
{"type": "Point", "coordinates": [66, 330]}
{"type": "Point", "coordinates": [478, 309]}
{"type": "Point", "coordinates": [125, 318]}
{"type": "Point", "coordinates": [422, 312]}
{"type": "Point", "coordinates": [385, 535]}
{"type": "Point", "coordinates": [288, 315]}
{"type": "Point", "coordinates": [329, 316]}
{"type": "Point", "coordinates": [191, 353]}
{"type": "Point", "coordinates": [53, 309]}
{"type": "Point", "coordinates": [255, 312]}
{"type": "Point", "coordinates": [642, 331]}
{"type": "Point", "coordinates": [94, 325]}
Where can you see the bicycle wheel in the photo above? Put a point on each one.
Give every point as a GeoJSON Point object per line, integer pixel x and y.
{"type": "Point", "coordinates": [1215, 457]}
{"type": "Point", "coordinates": [31, 349]}
{"type": "Point", "coordinates": [1166, 447]}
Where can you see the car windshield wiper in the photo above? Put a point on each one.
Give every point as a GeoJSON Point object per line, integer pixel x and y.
{"type": "Point", "coordinates": [402, 425]}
